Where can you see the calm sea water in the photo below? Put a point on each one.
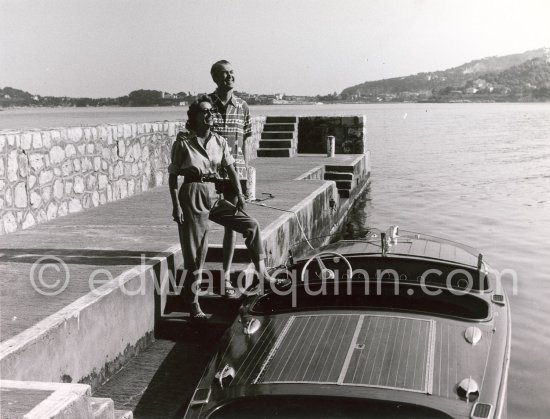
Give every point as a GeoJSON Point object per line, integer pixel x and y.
{"type": "Point", "coordinates": [476, 173]}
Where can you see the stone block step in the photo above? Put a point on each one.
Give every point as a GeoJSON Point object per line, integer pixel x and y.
{"type": "Point", "coordinates": [123, 414]}
{"type": "Point", "coordinates": [277, 144]}
{"type": "Point", "coordinates": [211, 299]}
{"type": "Point", "coordinates": [278, 135]}
{"type": "Point", "coordinates": [343, 193]}
{"type": "Point", "coordinates": [41, 399]}
{"type": "Point", "coordinates": [338, 176]}
{"type": "Point", "coordinates": [276, 152]}
{"type": "Point", "coordinates": [215, 253]}
{"type": "Point", "coordinates": [211, 304]}
{"type": "Point", "coordinates": [180, 326]}
{"type": "Point", "coordinates": [345, 185]}
{"type": "Point", "coordinates": [281, 120]}
{"type": "Point", "coordinates": [102, 408]}
{"type": "Point", "coordinates": [339, 168]}
{"type": "Point", "coordinates": [213, 274]}
{"type": "Point", "coordinates": [279, 127]}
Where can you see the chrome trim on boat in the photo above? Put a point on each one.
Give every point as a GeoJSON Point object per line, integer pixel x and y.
{"type": "Point", "coordinates": [226, 372]}
{"type": "Point", "coordinates": [481, 411]}
{"type": "Point", "coordinates": [199, 397]}
{"type": "Point", "coordinates": [468, 387]}
{"type": "Point", "coordinates": [472, 335]}
{"type": "Point", "coordinates": [393, 233]}
{"type": "Point", "coordinates": [498, 299]}
{"type": "Point", "coordinates": [431, 359]}
{"type": "Point", "coordinates": [251, 326]}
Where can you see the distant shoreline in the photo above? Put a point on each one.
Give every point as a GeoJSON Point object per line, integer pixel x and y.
{"type": "Point", "coordinates": [286, 104]}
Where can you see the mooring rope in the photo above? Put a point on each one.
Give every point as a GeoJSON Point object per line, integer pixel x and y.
{"type": "Point", "coordinates": [261, 204]}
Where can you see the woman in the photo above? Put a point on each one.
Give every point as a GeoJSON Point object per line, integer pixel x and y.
{"type": "Point", "coordinates": [199, 154]}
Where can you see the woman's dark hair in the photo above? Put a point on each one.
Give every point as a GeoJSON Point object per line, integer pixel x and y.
{"type": "Point", "coordinates": [194, 109]}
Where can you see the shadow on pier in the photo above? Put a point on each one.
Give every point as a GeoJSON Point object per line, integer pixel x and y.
{"type": "Point", "coordinates": [160, 381]}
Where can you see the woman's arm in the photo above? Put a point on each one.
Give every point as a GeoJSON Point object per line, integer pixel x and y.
{"type": "Point", "coordinates": [234, 179]}
{"type": "Point", "coordinates": [176, 160]}
{"type": "Point", "coordinates": [177, 214]}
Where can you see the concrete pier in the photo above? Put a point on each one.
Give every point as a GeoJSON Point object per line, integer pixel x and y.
{"type": "Point", "coordinates": [104, 271]}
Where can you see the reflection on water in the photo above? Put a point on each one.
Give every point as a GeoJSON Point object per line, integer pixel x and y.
{"type": "Point", "coordinates": [478, 175]}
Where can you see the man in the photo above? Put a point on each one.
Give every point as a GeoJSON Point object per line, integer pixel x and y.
{"type": "Point", "coordinates": [231, 121]}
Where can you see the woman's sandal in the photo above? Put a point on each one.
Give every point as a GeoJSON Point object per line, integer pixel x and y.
{"type": "Point", "coordinates": [197, 313]}
{"type": "Point", "coordinates": [278, 282]}
{"type": "Point", "coordinates": [230, 291]}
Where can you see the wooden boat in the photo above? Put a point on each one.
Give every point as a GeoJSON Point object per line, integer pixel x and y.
{"type": "Point", "coordinates": [391, 326]}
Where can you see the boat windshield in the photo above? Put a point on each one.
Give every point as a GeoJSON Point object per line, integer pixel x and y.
{"type": "Point", "coordinates": [372, 296]}
{"type": "Point", "coordinates": [373, 235]}
{"type": "Point", "coordinates": [411, 258]}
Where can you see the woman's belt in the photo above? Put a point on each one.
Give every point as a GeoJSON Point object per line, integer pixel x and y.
{"type": "Point", "coordinates": [222, 185]}
{"type": "Point", "coordinates": [207, 178]}
{"type": "Point", "coordinates": [192, 179]}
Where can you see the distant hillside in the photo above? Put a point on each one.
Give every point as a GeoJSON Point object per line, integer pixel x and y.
{"type": "Point", "coordinates": [10, 97]}
{"type": "Point", "coordinates": [453, 77]}
{"type": "Point", "coordinates": [16, 97]}
{"type": "Point", "coordinates": [534, 73]}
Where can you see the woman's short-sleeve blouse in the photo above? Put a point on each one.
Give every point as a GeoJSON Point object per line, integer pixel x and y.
{"type": "Point", "coordinates": [188, 152]}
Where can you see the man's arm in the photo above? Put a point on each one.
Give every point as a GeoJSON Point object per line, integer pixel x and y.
{"type": "Point", "coordinates": [247, 130]}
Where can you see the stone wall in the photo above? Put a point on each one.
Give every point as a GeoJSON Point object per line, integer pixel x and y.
{"type": "Point", "coordinates": [45, 174]}
{"type": "Point", "coordinates": [350, 133]}
{"type": "Point", "coordinates": [253, 143]}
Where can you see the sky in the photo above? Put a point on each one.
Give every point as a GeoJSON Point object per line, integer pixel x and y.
{"type": "Point", "coordinates": [107, 48]}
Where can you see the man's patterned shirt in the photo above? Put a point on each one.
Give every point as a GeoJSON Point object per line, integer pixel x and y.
{"type": "Point", "coordinates": [234, 125]}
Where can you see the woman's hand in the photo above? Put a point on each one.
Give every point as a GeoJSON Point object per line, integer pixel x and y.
{"type": "Point", "coordinates": [177, 215]}
{"type": "Point", "coordinates": [240, 202]}
{"type": "Point", "coordinates": [234, 179]}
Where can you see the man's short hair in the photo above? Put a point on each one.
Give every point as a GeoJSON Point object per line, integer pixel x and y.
{"type": "Point", "coordinates": [216, 64]}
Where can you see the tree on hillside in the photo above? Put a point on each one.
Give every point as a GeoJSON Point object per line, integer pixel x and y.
{"type": "Point", "coordinates": [145, 97]}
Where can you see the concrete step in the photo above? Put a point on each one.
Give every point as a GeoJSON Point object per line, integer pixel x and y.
{"type": "Point", "coordinates": [212, 276]}
{"type": "Point", "coordinates": [276, 152]}
{"type": "Point", "coordinates": [338, 176]}
{"type": "Point", "coordinates": [344, 193]}
{"type": "Point", "coordinates": [40, 399]}
{"type": "Point", "coordinates": [215, 253]}
{"type": "Point", "coordinates": [281, 120]}
{"type": "Point", "coordinates": [278, 135]}
{"type": "Point", "coordinates": [102, 408]}
{"type": "Point", "coordinates": [211, 299]}
{"type": "Point", "coordinates": [211, 304]}
{"type": "Point", "coordinates": [179, 326]}
{"type": "Point", "coordinates": [277, 144]}
{"type": "Point", "coordinates": [279, 128]}
{"type": "Point", "coordinates": [123, 414]}
{"type": "Point", "coordinates": [339, 168]}
{"type": "Point", "coordinates": [159, 381]}
{"type": "Point", "coordinates": [345, 185]}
